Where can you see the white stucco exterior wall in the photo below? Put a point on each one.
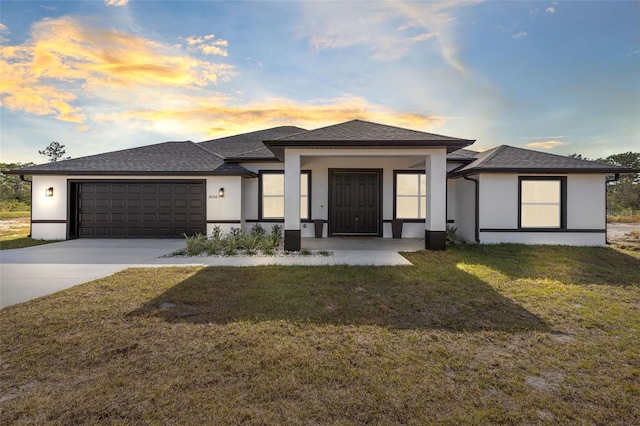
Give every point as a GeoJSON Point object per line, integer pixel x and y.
{"type": "Point", "coordinates": [498, 201]}
{"type": "Point", "coordinates": [465, 209]}
{"type": "Point", "coordinates": [49, 209]}
{"type": "Point", "coordinates": [586, 202]}
{"type": "Point", "coordinates": [585, 208]}
{"type": "Point", "coordinates": [226, 211]}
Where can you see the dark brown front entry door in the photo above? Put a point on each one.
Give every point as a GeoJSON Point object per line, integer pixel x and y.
{"type": "Point", "coordinates": [355, 202]}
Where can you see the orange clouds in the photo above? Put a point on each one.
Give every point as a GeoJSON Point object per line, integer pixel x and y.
{"type": "Point", "coordinates": [212, 120]}
{"type": "Point", "coordinates": [78, 72]}
{"type": "Point", "coordinates": [546, 144]}
{"type": "Point", "coordinates": [68, 57]}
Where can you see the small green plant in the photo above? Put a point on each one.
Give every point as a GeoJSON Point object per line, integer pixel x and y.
{"type": "Point", "coordinates": [230, 251]}
{"type": "Point", "coordinates": [452, 235]}
{"type": "Point", "coordinates": [257, 229]}
{"type": "Point", "coordinates": [268, 252]}
{"type": "Point", "coordinates": [323, 253]}
{"type": "Point", "coordinates": [196, 244]}
{"type": "Point", "coordinates": [305, 252]}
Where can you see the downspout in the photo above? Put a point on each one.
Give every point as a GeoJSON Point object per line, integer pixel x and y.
{"type": "Point", "coordinates": [477, 206]}
{"type": "Point", "coordinates": [22, 178]}
{"type": "Point", "coordinates": [616, 177]}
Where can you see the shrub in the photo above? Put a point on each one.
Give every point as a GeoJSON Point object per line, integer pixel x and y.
{"type": "Point", "coordinates": [196, 244]}
{"type": "Point", "coordinates": [257, 229]}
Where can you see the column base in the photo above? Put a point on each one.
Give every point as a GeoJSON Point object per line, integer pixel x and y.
{"type": "Point", "coordinates": [435, 240]}
{"type": "Point", "coordinates": [292, 240]}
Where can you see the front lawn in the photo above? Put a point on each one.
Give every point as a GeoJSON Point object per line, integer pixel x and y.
{"type": "Point", "coordinates": [14, 230]}
{"type": "Point", "coordinates": [473, 335]}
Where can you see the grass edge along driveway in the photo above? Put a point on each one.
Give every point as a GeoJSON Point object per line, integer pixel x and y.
{"type": "Point", "coordinates": [473, 335]}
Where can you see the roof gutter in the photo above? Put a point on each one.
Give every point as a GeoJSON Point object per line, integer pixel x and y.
{"type": "Point", "coordinates": [477, 206]}
{"type": "Point", "coordinates": [616, 177]}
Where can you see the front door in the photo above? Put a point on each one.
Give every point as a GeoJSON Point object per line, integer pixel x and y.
{"type": "Point", "coordinates": [355, 202]}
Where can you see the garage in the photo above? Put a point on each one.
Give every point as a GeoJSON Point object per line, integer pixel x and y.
{"type": "Point", "coordinates": [137, 209]}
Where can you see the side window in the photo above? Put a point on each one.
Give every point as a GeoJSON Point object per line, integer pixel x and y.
{"type": "Point", "coordinates": [541, 202]}
{"type": "Point", "coordinates": [272, 194]}
{"type": "Point", "coordinates": [410, 195]}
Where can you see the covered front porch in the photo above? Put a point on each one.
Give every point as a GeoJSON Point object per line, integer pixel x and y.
{"type": "Point", "coordinates": [362, 243]}
{"type": "Point", "coordinates": [359, 172]}
{"type": "Point", "coordinates": [359, 193]}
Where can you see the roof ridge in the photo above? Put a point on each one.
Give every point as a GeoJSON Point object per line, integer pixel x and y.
{"type": "Point", "coordinates": [490, 153]}
{"type": "Point", "coordinates": [208, 150]}
{"type": "Point", "coordinates": [250, 133]}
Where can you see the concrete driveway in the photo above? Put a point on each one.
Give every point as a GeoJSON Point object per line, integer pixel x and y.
{"type": "Point", "coordinates": [32, 272]}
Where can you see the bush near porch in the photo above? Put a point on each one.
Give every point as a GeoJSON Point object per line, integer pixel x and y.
{"type": "Point", "coordinates": [473, 335]}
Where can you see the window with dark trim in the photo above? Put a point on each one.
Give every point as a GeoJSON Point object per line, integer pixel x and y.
{"type": "Point", "coordinates": [271, 195]}
{"type": "Point", "coordinates": [542, 202]}
{"type": "Point", "coordinates": [410, 194]}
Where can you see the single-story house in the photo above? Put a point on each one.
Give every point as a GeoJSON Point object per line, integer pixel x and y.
{"type": "Point", "coordinates": [357, 177]}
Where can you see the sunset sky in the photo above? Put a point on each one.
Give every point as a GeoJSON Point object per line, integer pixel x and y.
{"type": "Point", "coordinates": [96, 76]}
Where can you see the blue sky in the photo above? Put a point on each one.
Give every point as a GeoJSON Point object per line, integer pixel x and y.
{"type": "Point", "coordinates": [96, 76]}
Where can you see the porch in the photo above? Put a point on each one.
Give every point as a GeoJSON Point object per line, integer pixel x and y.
{"type": "Point", "coordinates": [363, 244]}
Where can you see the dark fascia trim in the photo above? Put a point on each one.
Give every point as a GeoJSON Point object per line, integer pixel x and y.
{"type": "Point", "coordinates": [550, 230]}
{"type": "Point", "coordinates": [224, 221]}
{"type": "Point", "coordinates": [539, 170]}
{"type": "Point", "coordinates": [49, 221]}
{"type": "Point", "coordinates": [252, 160]}
{"type": "Point", "coordinates": [122, 173]}
{"type": "Point", "coordinates": [278, 147]}
{"type": "Point", "coordinates": [152, 180]}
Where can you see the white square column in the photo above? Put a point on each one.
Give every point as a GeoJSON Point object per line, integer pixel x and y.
{"type": "Point", "coordinates": [292, 241]}
{"type": "Point", "coordinates": [435, 234]}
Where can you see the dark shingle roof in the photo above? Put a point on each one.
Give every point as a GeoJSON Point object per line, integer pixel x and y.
{"type": "Point", "coordinates": [171, 158]}
{"type": "Point", "coordinates": [242, 145]}
{"type": "Point", "coordinates": [506, 158]}
{"type": "Point", "coordinates": [462, 155]}
{"type": "Point", "coordinates": [358, 133]}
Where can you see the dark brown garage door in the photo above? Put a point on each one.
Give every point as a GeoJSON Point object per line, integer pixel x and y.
{"type": "Point", "coordinates": [154, 209]}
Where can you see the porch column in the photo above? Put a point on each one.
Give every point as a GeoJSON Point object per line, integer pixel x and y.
{"type": "Point", "coordinates": [435, 234]}
{"type": "Point", "coordinates": [292, 240]}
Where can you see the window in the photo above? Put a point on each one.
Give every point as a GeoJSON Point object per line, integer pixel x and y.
{"type": "Point", "coordinates": [541, 202]}
{"type": "Point", "coordinates": [272, 194]}
{"type": "Point", "coordinates": [411, 195]}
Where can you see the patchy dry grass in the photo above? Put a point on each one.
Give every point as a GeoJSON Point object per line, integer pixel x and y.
{"type": "Point", "coordinates": [474, 335]}
{"type": "Point", "coordinates": [635, 218]}
{"type": "Point", "coordinates": [14, 231]}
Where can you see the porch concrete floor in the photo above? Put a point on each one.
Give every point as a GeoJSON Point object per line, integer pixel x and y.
{"type": "Point", "coordinates": [363, 243]}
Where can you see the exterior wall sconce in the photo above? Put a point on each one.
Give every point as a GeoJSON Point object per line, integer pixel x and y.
{"type": "Point", "coordinates": [221, 193]}
{"type": "Point", "coordinates": [49, 192]}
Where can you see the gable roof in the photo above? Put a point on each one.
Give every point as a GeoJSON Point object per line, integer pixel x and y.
{"type": "Point", "coordinates": [505, 158]}
{"type": "Point", "coordinates": [359, 133]}
{"type": "Point", "coordinates": [168, 158]}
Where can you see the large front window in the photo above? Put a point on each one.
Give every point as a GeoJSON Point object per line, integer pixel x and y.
{"type": "Point", "coordinates": [411, 195]}
{"type": "Point", "coordinates": [272, 195]}
{"type": "Point", "coordinates": [541, 202]}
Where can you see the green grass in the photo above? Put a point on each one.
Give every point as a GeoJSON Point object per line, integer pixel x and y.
{"type": "Point", "coordinates": [474, 335]}
{"type": "Point", "coordinates": [14, 231]}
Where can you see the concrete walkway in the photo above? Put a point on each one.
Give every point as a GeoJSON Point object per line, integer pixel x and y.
{"type": "Point", "coordinates": [33, 272]}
